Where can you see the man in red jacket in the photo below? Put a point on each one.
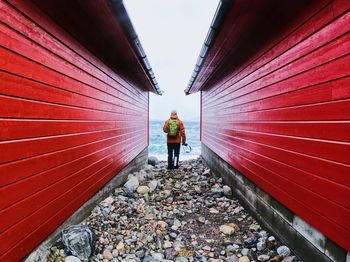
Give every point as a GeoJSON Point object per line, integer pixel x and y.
{"type": "Point", "coordinates": [175, 130]}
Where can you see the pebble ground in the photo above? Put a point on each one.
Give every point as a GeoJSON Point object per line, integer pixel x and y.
{"type": "Point", "coordinates": [177, 215]}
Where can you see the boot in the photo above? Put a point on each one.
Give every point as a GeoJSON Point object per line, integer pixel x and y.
{"type": "Point", "coordinates": [176, 162]}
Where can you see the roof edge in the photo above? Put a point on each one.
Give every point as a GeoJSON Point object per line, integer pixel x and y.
{"type": "Point", "coordinates": [125, 22]}
{"type": "Point", "coordinates": [220, 14]}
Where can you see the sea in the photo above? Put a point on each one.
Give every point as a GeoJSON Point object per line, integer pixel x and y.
{"type": "Point", "coordinates": [157, 144]}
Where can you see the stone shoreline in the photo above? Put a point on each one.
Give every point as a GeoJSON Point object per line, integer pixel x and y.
{"type": "Point", "coordinates": [177, 215]}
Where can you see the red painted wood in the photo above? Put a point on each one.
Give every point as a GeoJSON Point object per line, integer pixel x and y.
{"type": "Point", "coordinates": [60, 216]}
{"type": "Point", "coordinates": [276, 106]}
{"type": "Point", "coordinates": [12, 215]}
{"type": "Point", "coordinates": [298, 44]}
{"type": "Point", "coordinates": [24, 67]}
{"type": "Point", "coordinates": [45, 28]}
{"type": "Point", "coordinates": [68, 50]}
{"type": "Point", "coordinates": [258, 174]}
{"type": "Point", "coordinates": [272, 97]}
{"type": "Point", "coordinates": [37, 218]}
{"type": "Point", "coordinates": [41, 92]}
{"type": "Point", "coordinates": [68, 123]}
{"type": "Point", "coordinates": [12, 128]}
{"type": "Point", "coordinates": [272, 173]}
{"type": "Point", "coordinates": [331, 130]}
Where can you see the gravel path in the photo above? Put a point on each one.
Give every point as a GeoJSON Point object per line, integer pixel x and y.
{"type": "Point", "coordinates": [177, 215]}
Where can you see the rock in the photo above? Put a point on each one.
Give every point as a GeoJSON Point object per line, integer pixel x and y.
{"type": "Point", "coordinates": [206, 248]}
{"type": "Point", "coordinates": [229, 229]}
{"type": "Point", "coordinates": [276, 259]}
{"type": "Point", "coordinates": [165, 194]}
{"type": "Point", "coordinates": [289, 259]}
{"type": "Point", "coordinates": [263, 234]}
{"type": "Point", "coordinates": [252, 254]}
{"type": "Point", "coordinates": [213, 211]}
{"type": "Point", "coordinates": [158, 256]}
{"type": "Point", "coordinates": [106, 211]}
{"type": "Point", "coordinates": [198, 189]}
{"type": "Point", "coordinates": [227, 191]}
{"type": "Point", "coordinates": [162, 216]}
{"type": "Point", "coordinates": [143, 190]}
{"type": "Point", "coordinates": [176, 225]}
{"type": "Point", "coordinates": [283, 251]}
{"type": "Point", "coordinates": [254, 227]}
{"type": "Point", "coordinates": [167, 244]}
{"type": "Point", "coordinates": [237, 210]}
{"type": "Point", "coordinates": [260, 246]}
{"type": "Point", "coordinates": [107, 254]}
{"type": "Point", "coordinates": [244, 259]}
{"type": "Point", "coordinates": [72, 259]}
{"type": "Point", "coordinates": [233, 258]}
{"type": "Point", "coordinates": [140, 253]}
{"type": "Point", "coordinates": [173, 235]}
{"type": "Point", "coordinates": [201, 220]}
{"type": "Point", "coordinates": [153, 185]}
{"type": "Point", "coordinates": [120, 247]}
{"type": "Point", "coordinates": [79, 240]}
{"type": "Point", "coordinates": [107, 202]}
{"type": "Point", "coordinates": [152, 160]}
{"type": "Point", "coordinates": [181, 259]}
{"type": "Point", "coordinates": [150, 259]}
{"type": "Point", "coordinates": [131, 185]}
{"type": "Point", "coordinates": [141, 176]}
{"type": "Point", "coordinates": [231, 249]}
{"type": "Point", "coordinates": [250, 242]}
{"type": "Point", "coordinates": [206, 172]}
{"type": "Point", "coordinates": [245, 251]}
{"type": "Point", "coordinates": [271, 242]}
{"type": "Point", "coordinates": [115, 253]}
{"type": "Point", "coordinates": [263, 258]}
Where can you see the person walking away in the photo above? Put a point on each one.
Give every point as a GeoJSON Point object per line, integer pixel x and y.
{"type": "Point", "coordinates": [175, 130]}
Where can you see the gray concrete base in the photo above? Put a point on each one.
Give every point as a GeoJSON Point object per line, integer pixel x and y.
{"type": "Point", "coordinates": [307, 242]}
{"type": "Point", "coordinates": [139, 162]}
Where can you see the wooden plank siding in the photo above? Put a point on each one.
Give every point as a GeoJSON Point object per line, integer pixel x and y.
{"type": "Point", "coordinates": [68, 124]}
{"type": "Point", "coordinates": [282, 116]}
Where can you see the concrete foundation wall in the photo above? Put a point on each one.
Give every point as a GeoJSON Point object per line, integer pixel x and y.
{"type": "Point", "coordinates": [40, 254]}
{"type": "Point", "coordinates": [307, 242]}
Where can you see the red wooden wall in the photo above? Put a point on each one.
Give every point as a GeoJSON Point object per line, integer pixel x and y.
{"type": "Point", "coordinates": [68, 124]}
{"type": "Point", "coordinates": [281, 115]}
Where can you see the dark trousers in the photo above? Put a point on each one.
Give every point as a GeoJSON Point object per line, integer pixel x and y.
{"type": "Point", "coordinates": [173, 155]}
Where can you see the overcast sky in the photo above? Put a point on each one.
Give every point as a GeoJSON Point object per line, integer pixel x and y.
{"type": "Point", "coordinates": [172, 33]}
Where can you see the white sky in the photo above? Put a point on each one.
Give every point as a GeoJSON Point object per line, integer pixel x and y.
{"type": "Point", "coordinates": [172, 33]}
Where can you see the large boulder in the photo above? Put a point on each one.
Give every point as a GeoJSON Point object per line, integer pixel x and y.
{"type": "Point", "coordinates": [131, 185]}
{"type": "Point", "coordinates": [152, 160]}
